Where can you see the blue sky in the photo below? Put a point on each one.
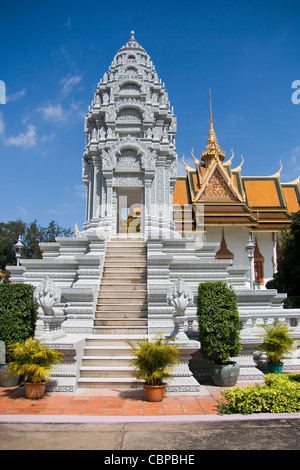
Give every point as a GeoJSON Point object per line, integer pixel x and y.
{"type": "Point", "coordinates": [53, 54]}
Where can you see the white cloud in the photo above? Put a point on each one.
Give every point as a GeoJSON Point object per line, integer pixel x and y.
{"type": "Point", "coordinates": [54, 112]}
{"type": "Point", "coordinates": [22, 210]}
{"type": "Point", "coordinates": [15, 96]}
{"type": "Point", "coordinates": [2, 92]}
{"type": "Point", "coordinates": [68, 83]}
{"type": "Point", "coordinates": [57, 112]}
{"type": "Point", "coordinates": [24, 140]}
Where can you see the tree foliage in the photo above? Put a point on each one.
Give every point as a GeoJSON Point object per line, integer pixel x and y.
{"type": "Point", "coordinates": [32, 234]}
{"type": "Point", "coordinates": [287, 278]}
{"type": "Point", "coordinates": [18, 312]}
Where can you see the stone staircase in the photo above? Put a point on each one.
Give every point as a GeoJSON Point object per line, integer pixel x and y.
{"type": "Point", "coordinates": [121, 315]}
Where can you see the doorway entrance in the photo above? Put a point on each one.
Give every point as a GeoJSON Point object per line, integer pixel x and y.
{"type": "Point", "coordinates": [129, 211]}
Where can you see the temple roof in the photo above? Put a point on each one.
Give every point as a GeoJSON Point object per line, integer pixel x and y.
{"type": "Point", "coordinates": [229, 198]}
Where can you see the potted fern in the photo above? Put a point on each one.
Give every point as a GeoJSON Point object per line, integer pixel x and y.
{"type": "Point", "coordinates": [34, 362]}
{"type": "Point", "coordinates": [219, 330]}
{"type": "Point", "coordinates": [276, 343]}
{"type": "Point", "coordinates": [153, 362]}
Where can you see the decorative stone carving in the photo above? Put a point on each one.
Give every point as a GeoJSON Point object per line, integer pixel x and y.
{"type": "Point", "coordinates": [180, 296]}
{"type": "Point", "coordinates": [46, 295]}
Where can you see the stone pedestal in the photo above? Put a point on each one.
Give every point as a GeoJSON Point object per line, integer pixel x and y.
{"type": "Point", "coordinates": [180, 296]}
{"type": "Point", "coordinates": [52, 327]}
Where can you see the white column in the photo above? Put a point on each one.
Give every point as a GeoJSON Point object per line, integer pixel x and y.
{"type": "Point", "coordinates": [96, 193]}
{"type": "Point", "coordinates": [274, 247]}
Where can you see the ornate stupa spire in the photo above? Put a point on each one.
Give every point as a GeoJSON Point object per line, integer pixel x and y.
{"type": "Point", "coordinates": [212, 149]}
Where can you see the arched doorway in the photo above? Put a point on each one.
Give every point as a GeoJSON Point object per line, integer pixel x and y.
{"type": "Point", "coordinates": [129, 211]}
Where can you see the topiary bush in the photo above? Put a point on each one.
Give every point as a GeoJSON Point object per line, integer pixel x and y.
{"type": "Point", "coordinates": [219, 323]}
{"type": "Point", "coordinates": [279, 394]}
{"type": "Point", "coordinates": [18, 312]}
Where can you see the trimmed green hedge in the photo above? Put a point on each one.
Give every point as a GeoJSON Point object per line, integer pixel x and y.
{"type": "Point", "coordinates": [219, 323]}
{"type": "Point", "coordinates": [18, 312]}
{"type": "Point", "coordinates": [279, 394]}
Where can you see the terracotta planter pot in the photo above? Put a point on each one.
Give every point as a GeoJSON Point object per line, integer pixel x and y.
{"type": "Point", "coordinates": [154, 393]}
{"type": "Point", "coordinates": [34, 391]}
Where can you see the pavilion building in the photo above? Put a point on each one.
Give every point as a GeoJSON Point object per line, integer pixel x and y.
{"type": "Point", "coordinates": [232, 205]}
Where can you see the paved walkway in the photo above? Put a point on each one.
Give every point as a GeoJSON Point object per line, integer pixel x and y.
{"type": "Point", "coordinates": [123, 420]}
{"type": "Point", "coordinates": [98, 402]}
{"type": "Point", "coordinates": [112, 406]}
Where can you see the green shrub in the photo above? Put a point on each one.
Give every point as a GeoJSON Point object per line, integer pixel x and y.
{"type": "Point", "coordinates": [276, 342]}
{"type": "Point", "coordinates": [18, 312]}
{"type": "Point", "coordinates": [279, 394]}
{"type": "Point", "coordinates": [32, 360]}
{"type": "Point", "coordinates": [219, 323]}
{"type": "Point", "coordinates": [154, 360]}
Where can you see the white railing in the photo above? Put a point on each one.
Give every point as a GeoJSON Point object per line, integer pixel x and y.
{"type": "Point", "coordinates": [252, 320]}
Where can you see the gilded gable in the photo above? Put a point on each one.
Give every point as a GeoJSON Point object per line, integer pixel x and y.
{"type": "Point", "coordinates": [217, 188]}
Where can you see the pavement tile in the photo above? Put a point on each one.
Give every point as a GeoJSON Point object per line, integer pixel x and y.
{"type": "Point", "coordinates": [107, 403]}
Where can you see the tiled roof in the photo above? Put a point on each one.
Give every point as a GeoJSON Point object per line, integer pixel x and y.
{"type": "Point", "coordinates": [268, 203]}
{"type": "Point", "coordinates": [263, 192]}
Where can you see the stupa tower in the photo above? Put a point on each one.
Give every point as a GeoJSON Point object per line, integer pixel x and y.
{"type": "Point", "coordinates": [130, 160]}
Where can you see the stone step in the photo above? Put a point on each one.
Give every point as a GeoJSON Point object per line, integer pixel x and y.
{"type": "Point", "coordinates": [114, 340]}
{"type": "Point", "coordinates": [122, 255]}
{"type": "Point", "coordinates": [108, 350]}
{"type": "Point", "coordinates": [139, 280]}
{"type": "Point", "coordinates": [122, 307]}
{"type": "Point", "coordinates": [105, 361]}
{"type": "Point", "coordinates": [121, 321]}
{"type": "Point", "coordinates": [125, 264]}
{"type": "Point", "coordinates": [121, 314]}
{"type": "Point", "coordinates": [124, 271]}
{"type": "Point", "coordinates": [106, 371]}
{"type": "Point", "coordinates": [121, 300]}
{"type": "Point", "coordinates": [122, 330]}
{"type": "Point", "coordinates": [127, 242]}
{"type": "Point", "coordinates": [117, 383]}
{"type": "Point", "coordinates": [128, 289]}
{"type": "Point", "coordinates": [127, 250]}
{"type": "Point", "coordinates": [128, 296]}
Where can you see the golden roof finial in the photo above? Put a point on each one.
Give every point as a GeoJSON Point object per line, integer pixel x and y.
{"type": "Point", "coordinates": [238, 168]}
{"type": "Point", "coordinates": [212, 149]}
{"type": "Point", "coordinates": [212, 135]}
{"type": "Point", "coordinates": [76, 230]}
{"type": "Point", "coordinates": [196, 160]}
{"type": "Point", "coordinates": [187, 167]}
{"type": "Point", "coordinates": [277, 174]}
